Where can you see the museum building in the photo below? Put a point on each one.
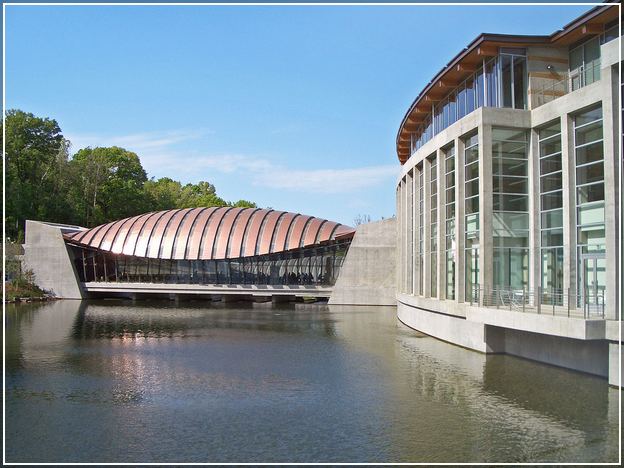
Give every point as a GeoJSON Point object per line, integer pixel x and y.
{"type": "Point", "coordinates": [508, 198]}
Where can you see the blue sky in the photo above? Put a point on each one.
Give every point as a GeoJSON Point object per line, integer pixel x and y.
{"type": "Point", "coordinates": [295, 108]}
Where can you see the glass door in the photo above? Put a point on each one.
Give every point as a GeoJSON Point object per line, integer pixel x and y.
{"type": "Point", "coordinates": [593, 281]}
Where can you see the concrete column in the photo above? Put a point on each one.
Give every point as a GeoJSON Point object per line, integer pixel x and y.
{"type": "Point", "coordinates": [485, 207]}
{"type": "Point", "coordinates": [441, 261]}
{"type": "Point", "coordinates": [417, 270]}
{"type": "Point", "coordinates": [610, 85]}
{"type": "Point", "coordinates": [460, 273]}
{"type": "Point", "coordinates": [427, 224]}
{"type": "Point", "coordinates": [534, 211]}
{"type": "Point", "coordinates": [569, 207]}
{"type": "Point", "coordinates": [409, 232]}
{"type": "Point", "coordinates": [414, 231]}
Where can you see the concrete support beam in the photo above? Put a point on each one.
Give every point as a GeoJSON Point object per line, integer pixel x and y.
{"type": "Point", "coordinates": [485, 207]}
{"type": "Point", "coordinates": [441, 253]}
{"type": "Point", "coordinates": [427, 223]}
{"type": "Point", "coordinates": [460, 273]}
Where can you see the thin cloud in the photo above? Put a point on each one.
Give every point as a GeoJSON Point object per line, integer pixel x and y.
{"type": "Point", "coordinates": [160, 157]}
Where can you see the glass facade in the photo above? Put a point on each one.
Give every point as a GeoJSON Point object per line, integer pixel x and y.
{"type": "Point", "coordinates": [551, 213]}
{"type": "Point", "coordinates": [590, 205]}
{"type": "Point", "coordinates": [513, 76]}
{"type": "Point", "coordinates": [433, 226]}
{"type": "Point", "coordinates": [510, 222]}
{"type": "Point", "coordinates": [307, 266]}
{"type": "Point", "coordinates": [471, 217]}
{"type": "Point", "coordinates": [421, 229]}
{"type": "Point", "coordinates": [585, 64]}
{"type": "Point", "coordinates": [449, 206]}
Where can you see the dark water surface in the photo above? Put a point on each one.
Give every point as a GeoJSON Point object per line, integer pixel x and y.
{"type": "Point", "coordinates": [113, 381]}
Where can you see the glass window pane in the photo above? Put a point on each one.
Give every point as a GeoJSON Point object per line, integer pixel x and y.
{"type": "Point", "coordinates": [506, 80]}
{"type": "Point", "coordinates": [590, 214]}
{"type": "Point", "coordinates": [590, 153]}
{"type": "Point", "coordinates": [472, 205]}
{"type": "Point", "coordinates": [519, 71]}
{"type": "Point", "coordinates": [551, 219]}
{"type": "Point", "coordinates": [551, 201]}
{"type": "Point", "coordinates": [550, 146]}
{"type": "Point", "coordinates": [504, 221]}
{"type": "Point", "coordinates": [550, 182]}
{"type": "Point", "coordinates": [550, 164]}
{"type": "Point", "coordinates": [594, 235]}
{"type": "Point", "coordinates": [511, 203]}
{"type": "Point", "coordinates": [589, 193]}
{"type": "Point", "coordinates": [510, 184]}
{"type": "Point", "coordinates": [513, 167]}
{"type": "Point", "coordinates": [552, 238]}
{"type": "Point", "coordinates": [472, 188]}
{"type": "Point", "coordinates": [471, 154]}
{"type": "Point", "coordinates": [472, 171]}
{"type": "Point", "coordinates": [588, 116]}
{"type": "Point", "coordinates": [588, 174]}
{"type": "Point", "coordinates": [551, 130]}
{"type": "Point", "coordinates": [588, 133]}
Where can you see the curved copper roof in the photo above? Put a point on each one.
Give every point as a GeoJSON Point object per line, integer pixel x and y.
{"type": "Point", "coordinates": [209, 233]}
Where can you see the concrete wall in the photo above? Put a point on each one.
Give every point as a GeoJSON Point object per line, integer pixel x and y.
{"type": "Point", "coordinates": [586, 356]}
{"type": "Point", "coordinates": [46, 254]}
{"type": "Point", "coordinates": [368, 274]}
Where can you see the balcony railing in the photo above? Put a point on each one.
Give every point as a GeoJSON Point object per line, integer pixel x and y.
{"type": "Point", "coordinates": [556, 302]}
{"type": "Point", "coordinates": [552, 89]}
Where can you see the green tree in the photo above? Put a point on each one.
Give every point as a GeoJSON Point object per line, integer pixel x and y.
{"type": "Point", "coordinates": [243, 204]}
{"type": "Point", "coordinates": [108, 184]}
{"type": "Point", "coordinates": [35, 164]}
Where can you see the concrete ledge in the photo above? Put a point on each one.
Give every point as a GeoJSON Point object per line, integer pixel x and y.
{"type": "Point", "coordinates": [236, 289]}
{"type": "Point", "coordinates": [455, 330]}
{"type": "Point", "coordinates": [577, 328]}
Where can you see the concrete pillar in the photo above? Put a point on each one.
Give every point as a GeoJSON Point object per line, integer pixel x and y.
{"type": "Point", "coordinates": [485, 207]}
{"type": "Point", "coordinates": [534, 211]}
{"type": "Point", "coordinates": [414, 231]}
{"type": "Point", "coordinates": [610, 85]}
{"type": "Point", "coordinates": [460, 273]}
{"type": "Point", "coordinates": [409, 232]}
{"type": "Point", "coordinates": [441, 261]}
{"type": "Point", "coordinates": [427, 224]}
{"type": "Point", "coordinates": [569, 207]}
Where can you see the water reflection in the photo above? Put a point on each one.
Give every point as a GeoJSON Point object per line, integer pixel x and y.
{"type": "Point", "coordinates": [109, 381]}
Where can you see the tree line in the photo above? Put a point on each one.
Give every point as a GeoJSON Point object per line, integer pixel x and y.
{"type": "Point", "coordinates": [94, 186]}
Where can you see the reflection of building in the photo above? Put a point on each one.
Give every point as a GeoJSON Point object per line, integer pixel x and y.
{"type": "Point", "coordinates": [508, 196]}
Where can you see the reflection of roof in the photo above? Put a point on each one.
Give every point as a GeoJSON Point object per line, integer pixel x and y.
{"type": "Point", "coordinates": [209, 233]}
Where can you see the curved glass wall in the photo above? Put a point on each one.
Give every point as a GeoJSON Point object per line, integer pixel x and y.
{"type": "Point", "coordinates": [315, 266]}
{"type": "Point", "coordinates": [551, 213]}
{"type": "Point", "coordinates": [433, 226]}
{"type": "Point", "coordinates": [449, 169]}
{"type": "Point", "coordinates": [510, 223]}
{"type": "Point", "coordinates": [471, 217]}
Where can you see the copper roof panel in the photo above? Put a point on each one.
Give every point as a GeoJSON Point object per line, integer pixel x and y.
{"type": "Point", "coordinates": [267, 233]}
{"type": "Point", "coordinates": [253, 232]}
{"type": "Point", "coordinates": [131, 238]}
{"type": "Point", "coordinates": [225, 233]}
{"type": "Point", "coordinates": [211, 232]}
{"type": "Point", "coordinates": [120, 237]}
{"type": "Point", "coordinates": [145, 235]}
{"type": "Point", "coordinates": [153, 246]}
{"type": "Point", "coordinates": [296, 232]}
{"type": "Point", "coordinates": [326, 231]}
{"type": "Point", "coordinates": [312, 232]}
{"type": "Point", "coordinates": [235, 241]}
{"type": "Point", "coordinates": [182, 237]}
{"type": "Point", "coordinates": [171, 232]}
{"type": "Point", "coordinates": [282, 233]}
{"type": "Point", "coordinates": [197, 233]}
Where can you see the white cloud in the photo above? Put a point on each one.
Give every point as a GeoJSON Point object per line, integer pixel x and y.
{"type": "Point", "coordinates": [160, 157]}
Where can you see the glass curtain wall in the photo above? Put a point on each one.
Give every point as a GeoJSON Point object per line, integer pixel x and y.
{"type": "Point", "coordinates": [449, 185]}
{"type": "Point", "coordinates": [585, 63]}
{"type": "Point", "coordinates": [590, 212]}
{"type": "Point", "coordinates": [433, 226]}
{"type": "Point", "coordinates": [421, 229]}
{"type": "Point", "coordinates": [410, 233]}
{"type": "Point", "coordinates": [510, 223]}
{"type": "Point", "coordinates": [471, 217]}
{"type": "Point", "coordinates": [551, 213]}
{"type": "Point", "coordinates": [513, 73]}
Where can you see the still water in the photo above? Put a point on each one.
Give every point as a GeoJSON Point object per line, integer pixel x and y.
{"type": "Point", "coordinates": [115, 381]}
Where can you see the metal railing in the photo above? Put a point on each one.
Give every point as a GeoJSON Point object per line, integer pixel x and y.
{"type": "Point", "coordinates": [564, 82]}
{"type": "Point", "coordinates": [541, 301]}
